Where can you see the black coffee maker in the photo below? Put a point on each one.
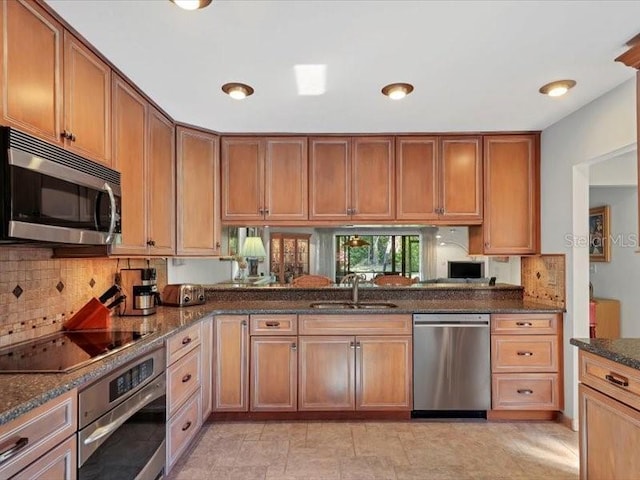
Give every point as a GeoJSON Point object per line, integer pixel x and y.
{"type": "Point", "coordinates": [139, 285]}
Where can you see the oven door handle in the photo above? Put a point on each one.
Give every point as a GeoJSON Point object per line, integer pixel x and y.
{"type": "Point", "coordinates": [112, 426]}
{"type": "Point", "coordinates": [109, 428]}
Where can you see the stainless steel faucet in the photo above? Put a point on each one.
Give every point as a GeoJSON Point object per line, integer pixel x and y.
{"type": "Point", "coordinates": [354, 288]}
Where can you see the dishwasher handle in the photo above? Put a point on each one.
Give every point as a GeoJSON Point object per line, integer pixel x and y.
{"type": "Point", "coordinates": [450, 323]}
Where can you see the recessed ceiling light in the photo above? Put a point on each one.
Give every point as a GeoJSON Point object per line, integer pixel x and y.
{"type": "Point", "coordinates": [237, 91]}
{"type": "Point", "coordinates": [557, 88]}
{"type": "Point", "coordinates": [192, 4]}
{"type": "Point", "coordinates": [396, 91]}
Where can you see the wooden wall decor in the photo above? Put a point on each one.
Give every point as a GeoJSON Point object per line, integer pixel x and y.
{"type": "Point", "coordinates": [544, 279]}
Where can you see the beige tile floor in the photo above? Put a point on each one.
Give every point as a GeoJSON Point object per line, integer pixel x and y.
{"type": "Point", "coordinates": [430, 450]}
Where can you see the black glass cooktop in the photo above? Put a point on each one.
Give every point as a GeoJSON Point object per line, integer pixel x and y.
{"type": "Point", "coordinates": [63, 351]}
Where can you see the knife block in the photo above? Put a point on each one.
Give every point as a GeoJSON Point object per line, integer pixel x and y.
{"type": "Point", "coordinates": [92, 316]}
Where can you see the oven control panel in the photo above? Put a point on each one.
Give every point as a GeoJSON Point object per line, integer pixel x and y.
{"type": "Point", "coordinates": [130, 379]}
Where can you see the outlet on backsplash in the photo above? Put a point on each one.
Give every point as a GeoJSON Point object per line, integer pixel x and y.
{"type": "Point", "coordinates": [37, 292]}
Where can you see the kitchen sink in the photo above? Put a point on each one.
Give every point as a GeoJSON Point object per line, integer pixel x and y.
{"type": "Point", "coordinates": [352, 306]}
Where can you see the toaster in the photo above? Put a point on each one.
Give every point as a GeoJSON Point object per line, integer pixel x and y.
{"type": "Point", "coordinates": [183, 295]}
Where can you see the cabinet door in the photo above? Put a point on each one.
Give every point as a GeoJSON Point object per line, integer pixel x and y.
{"type": "Point", "coordinates": [461, 179]}
{"type": "Point", "coordinates": [129, 132]}
{"type": "Point", "coordinates": [416, 178]}
{"type": "Point", "coordinates": [161, 175]}
{"type": "Point", "coordinates": [274, 374]}
{"type": "Point", "coordinates": [286, 178]}
{"type": "Point", "coordinates": [87, 101]}
{"type": "Point", "coordinates": [198, 224]}
{"type": "Point", "coordinates": [60, 464]}
{"type": "Point", "coordinates": [383, 373]}
{"type": "Point", "coordinates": [608, 430]}
{"type": "Point", "coordinates": [31, 73]}
{"type": "Point", "coordinates": [326, 377]}
{"type": "Point", "coordinates": [511, 197]}
{"type": "Point", "coordinates": [242, 178]}
{"type": "Point", "coordinates": [231, 363]}
{"type": "Point", "coordinates": [329, 178]}
{"type": "Point", "coordinates": [372, 179]}
{"type": "Point", "coordinates": [206, 350]}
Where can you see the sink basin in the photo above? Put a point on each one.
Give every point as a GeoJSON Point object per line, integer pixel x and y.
{"type": "Point", "coordinates": [374, 305]}
{"type": "Point", "coordinates": [352, 306]}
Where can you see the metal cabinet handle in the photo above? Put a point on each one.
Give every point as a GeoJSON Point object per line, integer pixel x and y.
{"type": "Point", "coordinates": [266, 211]}
{"type": "Point", "coordinates": [186, 340]}
{"type": "Point", "coordinates": [14, 449]}
{"type": "Point", "coordinates": [186, 426]}
{"type": "Point", "coordinates": [357, 344]}
{"type": "Point", "coordinates": [524, 324]}
{"type": "Point", "coordinates": [525, 354]}
{"type": "Point", "coordinates": [217, 244]}
{"type": "Point", "coordinates": [352, 344]}
{"type": "Point", "coordinates": [261, 211]}
{"type": "Point", "coordinates": [294, 347]}
{"type": "Point", "coordinates": [272, 324]}
{"type": "Point", "coordinates": [243, 323]}
{"type": "Point", "coordinates": [186, 378]}
{"type": "Point", "coordinates": [617, 379]}
{"type": "Point", "coordinates": [525, 391]}
{"type": "Point", "coordinates": [151, 243]}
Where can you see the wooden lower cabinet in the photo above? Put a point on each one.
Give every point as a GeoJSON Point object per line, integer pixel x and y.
{"type": "Point", "coordinates": [59, 464]}
{"type": "Point", "coordinates": [231, 363]}
{"type": "Point", "coordinates": [526, 364]}
{"type": "Point", "coordinates": [609, 436]}
{"type": "Point", "coordinates": [274, 372]}
{"type": "Point", "coordinates": [383, 373]}
{"type": "Point", "coordinates": [182, 427]}
{"type": "Point", "coordinates": [326, 377]}
{"type": "Point", "coordinates": [355, 373]}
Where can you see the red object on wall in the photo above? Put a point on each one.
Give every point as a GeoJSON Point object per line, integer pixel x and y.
{"type": "Point", "coordinates": [592, 319]}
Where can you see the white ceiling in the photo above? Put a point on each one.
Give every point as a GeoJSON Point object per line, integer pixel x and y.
{"type": "Point", "coordinates": [476, 65]}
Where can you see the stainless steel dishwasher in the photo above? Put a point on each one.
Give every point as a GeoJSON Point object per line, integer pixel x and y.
{"type": "Point", "coordinates": [451, 365]}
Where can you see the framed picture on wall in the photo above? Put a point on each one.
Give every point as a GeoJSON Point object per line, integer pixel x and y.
{"type": "Point", "coordinates": [599, 238]}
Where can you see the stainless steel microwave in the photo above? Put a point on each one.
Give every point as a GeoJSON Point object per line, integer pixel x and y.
{"type": "Point", "coordinates": [52, 195]}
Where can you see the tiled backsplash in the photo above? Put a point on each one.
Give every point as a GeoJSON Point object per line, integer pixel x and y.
{"type": "Point", "coordinates": [38, 292]}
{"type": "Point", "coordinates": [543, 279]}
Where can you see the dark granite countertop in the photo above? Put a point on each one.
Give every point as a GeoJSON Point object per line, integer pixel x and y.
{"type": "Point", "coordinates": [625, 351]}
{"type": "Point", "coordinates": [23, 392]}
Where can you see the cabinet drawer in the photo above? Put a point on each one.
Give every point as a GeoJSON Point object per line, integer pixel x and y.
{"type": "Point", "coordinates": [527, 391]}
{"type": "Point", "coordinates": [525, 323]}
{"type": "Point", "coordinates": [377, 324]}
{"type": "Point", "coordinates": [183, 378]}
{"type": "Point", "coordinates": [515, 353]}
{"type": "Point", "coordinates": [273, 324]}
{"type": "Point", "coordinates": [38, 430]}
{"type": "Point", "coordinates": [182, 342]}
{"type": "Point", "coordinates": [611, 378]}
{"type": "Point", "coordinates": [182, 428]}
{"type": "Point", "coordinates": [60, 464]}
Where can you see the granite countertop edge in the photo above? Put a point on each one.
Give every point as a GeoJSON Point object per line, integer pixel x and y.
{"type": "Point", "coordinates": [625, 351]}
{"type": "Point", "coordinates": [30, 390]}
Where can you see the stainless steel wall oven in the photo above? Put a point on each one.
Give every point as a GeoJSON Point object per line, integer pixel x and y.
{"type": "Point", "coordinates": [122, 422]}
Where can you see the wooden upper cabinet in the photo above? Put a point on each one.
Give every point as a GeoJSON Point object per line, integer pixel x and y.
{"type": "Point", "coordinates": [372, 178]}
{"type": "Point", "coordinates": [285, 179]}
{"type": "Point", "coordinates": [417, 178]}
{"type": "Point", "coordinates": [439, 179]}
{"type": "Point", "coordinates": [198, 215]}
{"type": "Point", "coordinates": [161, 185]}
{"type": "Point", "coordinates": [264, 179]}
{"type": "Point", "coordinates": [87, 102]}
{"type": "Point", "coordinates": [511, 197]}
{"type": "Point", "coordinates": [31, 74]}
{"type": "Point", "coordinates": [351, 178]}
{"type": "Point", "coordinates": [329, 178]}
{"type": "Point", "coordinates": [242, 178]}
{"type": "Point", "coordinates": [129, 151]}
{"type": "Point", "coordinates": [460, 190]}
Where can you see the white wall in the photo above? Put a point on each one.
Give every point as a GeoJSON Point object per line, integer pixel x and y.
{"type": "Point", "coordinates": [606, 125]}
{"type": "Point", "coordinates": [198, 270]}
{"type": "Point", "coordinates": [620, 278]}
